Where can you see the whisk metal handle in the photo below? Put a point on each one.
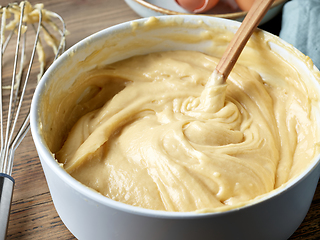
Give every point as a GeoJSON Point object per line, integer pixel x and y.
{"type": "Point", "coordinates": [6, 191]}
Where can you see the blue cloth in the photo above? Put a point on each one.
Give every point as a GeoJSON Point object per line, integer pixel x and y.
{"type": "Point", "coordinates": [301, 27]}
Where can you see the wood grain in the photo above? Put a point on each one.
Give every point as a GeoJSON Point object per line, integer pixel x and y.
{"type": "Point", "coordinates": [33, 215]}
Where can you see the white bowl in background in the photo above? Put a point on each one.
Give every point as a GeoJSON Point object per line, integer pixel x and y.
{"type": "Point", "coordinates": [148, 8]}
{"type": "Point", "coordinates": [89, 215]}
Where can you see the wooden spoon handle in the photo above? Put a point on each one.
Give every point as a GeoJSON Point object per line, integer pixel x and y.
{"type": "Point", "coordinates": [235, 47]}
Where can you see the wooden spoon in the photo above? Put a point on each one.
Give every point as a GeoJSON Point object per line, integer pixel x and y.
{"type": "Point", "coordinates": [234, 49]}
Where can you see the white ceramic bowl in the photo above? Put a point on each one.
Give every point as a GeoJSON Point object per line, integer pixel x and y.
{"type": "Point", "coordinates": [147, 8]}
{"type": "Point", "coordinates": [89, 215]}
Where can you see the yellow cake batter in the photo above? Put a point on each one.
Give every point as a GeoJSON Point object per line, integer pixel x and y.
{"type": "Point", "coordinates": [147, 131]}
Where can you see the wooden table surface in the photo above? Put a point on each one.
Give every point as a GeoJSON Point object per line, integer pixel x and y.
{"type": "Point", "coordinates": [33, 215]}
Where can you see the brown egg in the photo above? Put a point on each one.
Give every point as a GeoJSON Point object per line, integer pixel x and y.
{"type": "Point", "coordinates": [197, 6]}
{"type": "Point", "coordinates": [245, 5]}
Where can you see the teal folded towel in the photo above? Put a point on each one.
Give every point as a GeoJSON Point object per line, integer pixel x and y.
{"type": "Point", "coordinates": [301, 27]}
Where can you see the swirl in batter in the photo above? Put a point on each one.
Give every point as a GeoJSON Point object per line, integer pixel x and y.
{"type": "Point", "coordinates": [159, 139]}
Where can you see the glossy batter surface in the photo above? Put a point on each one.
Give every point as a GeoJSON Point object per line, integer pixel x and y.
{"type": "Point", "coordinates": [161, 142]}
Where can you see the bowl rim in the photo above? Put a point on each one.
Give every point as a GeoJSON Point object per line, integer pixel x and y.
{"type": "Point", "coordinates": [233, 16]}
{"type": "Point", "coordinates": [49, 159]}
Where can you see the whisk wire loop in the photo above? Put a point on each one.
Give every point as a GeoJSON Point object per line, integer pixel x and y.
{"type": "Point", "coordinates": [10, 125]}
{"type": "Point", "coordinates": [9, 141]}
{"type": "Point", "coordinates": [24, 87]}
{"type": "Point", "coordinates": [2, 47]}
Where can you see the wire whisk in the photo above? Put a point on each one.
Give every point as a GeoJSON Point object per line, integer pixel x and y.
{"type": "Point", "coordinates": [21, 21]}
